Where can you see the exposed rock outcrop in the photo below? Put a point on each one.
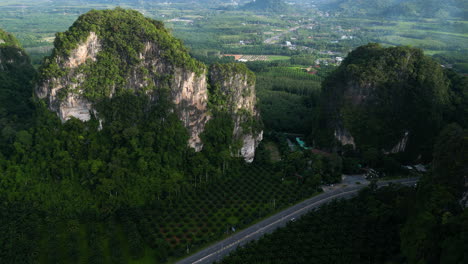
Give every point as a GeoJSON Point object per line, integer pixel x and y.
{"type": "Point", "coordinates": [189, 90]}
{"type": "Point", "coordinates": [401, 145]}
{"type": "Point", "coordinates": [87, 50]}
{"type": "Point", "coordinates": [343, 136]}
{"type": "Point", "coordinates": [190, 94]}
{"type": "Point", "coordinates": [384, 98]}
{"type": "Point", "coordinates": [65, 94]}
{"type": "Point", "coordinates": [235, 84]}
{"type": "Point", "coordinates": [93, 61]}
{"type": "Point", "coordinates": [464, 200]}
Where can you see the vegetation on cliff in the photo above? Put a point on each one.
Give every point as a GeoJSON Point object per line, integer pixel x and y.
{"type": "Point", "coordinates": [380, 94]}
{"type": "Point", "coordinates": [16, 76]}
{"type": "Point", "coordinates": [7, 39]}
{"type": "Point", "coordinates": [229, 70]}
{"type": "Point", "coordinates": [139, 155]}
{"type": "Point", "coordinates": [123, 35]}
{"type": "Point", "coordinates": [83, 174]}
{"type": "Point", "coordinates": [232, 93]}
{"type": "Point", "coordinates": [124, 187]}
{"type": "Point", "coordinates": [221, 75]}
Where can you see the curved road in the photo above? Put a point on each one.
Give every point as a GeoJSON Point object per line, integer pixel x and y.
{"type": "Point", "coordinates": [221, 249]}
{"type": "Point", "coordinates": [277, 37]}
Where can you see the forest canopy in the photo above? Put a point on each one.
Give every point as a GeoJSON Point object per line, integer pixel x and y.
{"type": "Point", "coordinates": [379, 94]}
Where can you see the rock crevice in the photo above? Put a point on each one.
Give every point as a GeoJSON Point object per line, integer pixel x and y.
{"type": "Point", "coordinates": [237, 85]}
{"type": "Point", "coordinates": [188, 90]}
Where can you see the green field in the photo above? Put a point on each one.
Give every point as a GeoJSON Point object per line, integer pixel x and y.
{"type": "Point", "coordinates": [277, 58]}
{"type": "Point", "coordinates": [218, 30]}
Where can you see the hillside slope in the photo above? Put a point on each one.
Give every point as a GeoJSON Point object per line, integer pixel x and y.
{"type": "Point", "coordinates": [16, 75]}
{"type": "Point", "coordinates": [106, 54]}
{"type": "Point", "coordinates": [391, 99]}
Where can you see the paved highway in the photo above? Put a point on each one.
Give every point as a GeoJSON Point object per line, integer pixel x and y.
{"type": "Point", "coordinates": [277, 37]}
{"type": "Point", "coordinates": [221, 249]}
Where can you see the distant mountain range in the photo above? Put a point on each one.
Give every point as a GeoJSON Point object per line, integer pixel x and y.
{"type": "Point", "coordinates": [267, 6]}
{"type": "Point", "coordinates": [398, 8]}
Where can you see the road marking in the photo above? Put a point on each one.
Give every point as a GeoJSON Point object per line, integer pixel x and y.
{"type": "Point", "coordinates": [262, 229]}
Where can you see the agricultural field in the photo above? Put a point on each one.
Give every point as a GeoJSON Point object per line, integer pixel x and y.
{"type": "Point", "coordinates": [361, 230]}
{"type": "Point", "coordinates": [247, 58]}
{"type": "Point", "coordinates": [175, 227]}
{"type": "Point", "coordinates": [288, 95]}
{"type": "Point", "coordinates": [212, 30]}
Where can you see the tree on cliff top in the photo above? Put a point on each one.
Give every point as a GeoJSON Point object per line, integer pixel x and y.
{"type": "Point", "coordinates": [123, 35]}
{"type": "Point", "coordinates": [7, 39]}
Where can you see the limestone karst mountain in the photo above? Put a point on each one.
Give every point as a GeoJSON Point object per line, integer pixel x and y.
{"type": "Point", "coordinates": [390, 99]}
{"type": "Point", "coordinates": [234, 84]}
{"type": "Point", "coordinates": [110, 52]}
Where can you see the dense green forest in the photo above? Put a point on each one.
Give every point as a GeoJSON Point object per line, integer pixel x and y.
{"type": "Point", "coordinates": [61, 184]}
{"type": "Point", "coordinates": [124, 187]}
{"type": "Point", "coordinates": [392, 224]}
{"type": "Point", "coordinates": [84, 173]}
{"type": "Point", "coordinates": [16, 83]}
{"type": "Point", "coordinates": [379, 94]}
{"type": "Point", "coordinates": [362, 230]}
{"type": "Point", "coordinates": [288, 94]}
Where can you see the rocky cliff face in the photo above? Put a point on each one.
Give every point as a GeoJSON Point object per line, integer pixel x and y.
{"type": "Point", "coordinates": [189, 90]}
{"type": "Point", "coordinates": [235, 84]}
{"type": "Point", "coordinates": [66, 93]}
{"type": "Point", "coordinates": [385, 98]}
{"type": "Point", "coordinates": [464, 200]}
{"type": "Point", "coordinates": [401, 145]}
{"type": "Point", "coordinates": [103, 65]}
{"type": "Point", "coordinates": [344, 137]}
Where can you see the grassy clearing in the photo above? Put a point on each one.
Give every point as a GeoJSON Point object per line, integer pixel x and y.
{"type": "Point", "coordinates": [398, 40]}
{"type": "Point", "coordinates": [432, 52]}
{"type": "Point", "coordinates": [463, 35]}
{"type": "Point", "coordinates": [276, 58]}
